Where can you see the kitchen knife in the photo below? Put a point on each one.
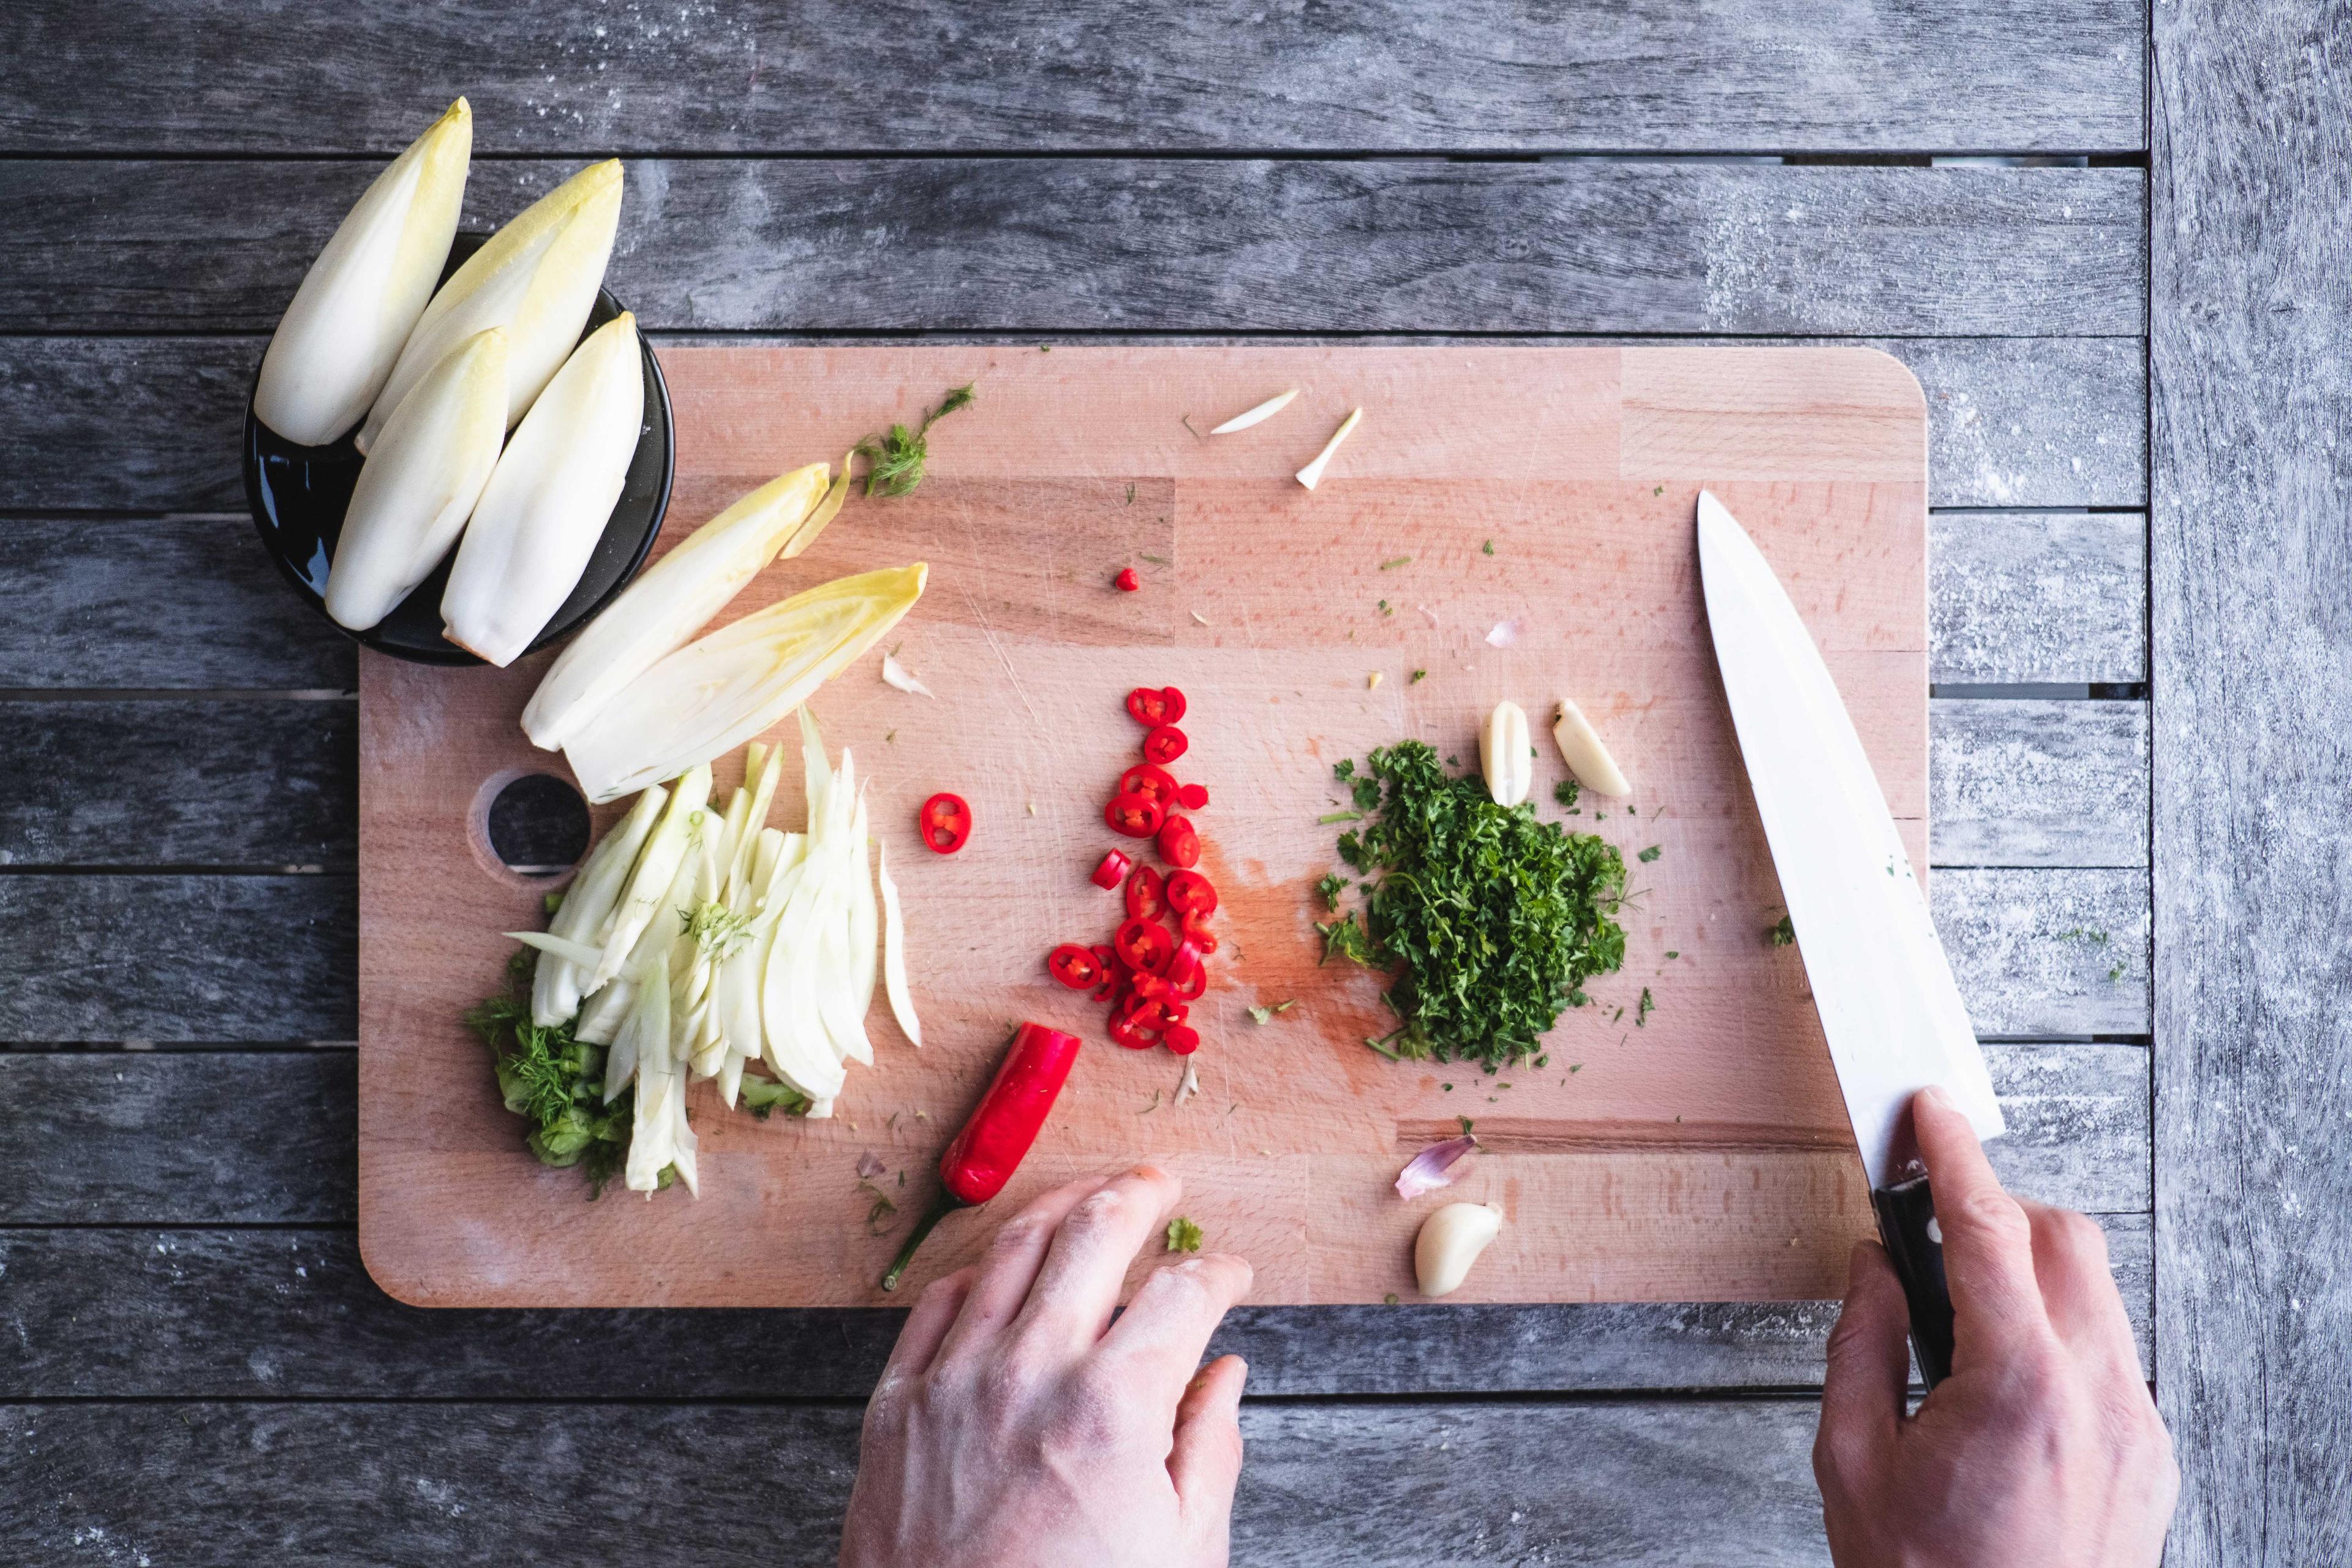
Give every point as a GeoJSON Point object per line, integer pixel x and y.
{"type": "Point", "coordinates": [1890, 1009]}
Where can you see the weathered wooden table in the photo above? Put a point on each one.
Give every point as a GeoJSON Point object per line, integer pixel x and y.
{"type": "Point", "coordinates": [2111, 244]}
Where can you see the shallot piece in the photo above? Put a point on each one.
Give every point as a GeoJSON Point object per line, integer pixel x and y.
{"type": "Point", "coordinates": [900, 675]}
{"type": "Point", "coordinates": [1434, 1167]}
{"type": "Point", "coordinates": [1189, 1085]}
{"type": "Point", "coordinates": [871, 1165]}
{"type": "Point", "coordinates": [1505, 634]}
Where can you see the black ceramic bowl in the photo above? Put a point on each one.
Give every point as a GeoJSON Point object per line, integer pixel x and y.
{"type": "Point", "coordinates": [299, 495]}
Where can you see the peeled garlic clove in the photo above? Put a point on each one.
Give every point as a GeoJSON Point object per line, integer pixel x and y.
{"type": "Point", "coordinates": [549, 499]}
{"type": "Point", "coordinates": [340, 339]}
{"type": "Point", "coordinates": [416, 491]}
{"type": "Point", "coordinates": [1450, 1242]}
{"type": "Point", "coordinates": [669, 602]}
{"type": "Point", "coordinates": [1504, 755]}
{"type": "Point", "coordinates": [1587, 758]}
{"type": "Point", "coordinates": [536, 278]}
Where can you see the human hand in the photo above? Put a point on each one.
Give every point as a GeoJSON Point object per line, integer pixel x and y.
{"type": "Point", "coordinates": [2043, 1447]}
{"type": "Point", "coordinates": [1010, 1428]}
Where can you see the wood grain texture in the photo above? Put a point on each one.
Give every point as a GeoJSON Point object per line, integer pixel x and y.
{"type": "Point", "coordinates": [1044, 244]}
{"type": "Point", "coordinates": [2037, 596]}
{"type": "Point", "coordinates": [174, 958]}
{"type": "Point", "coordinates": [1652, 1483]}
{"type": "Point", "coordinates": [170, 782]}
{"type": "Point", "coordinates": [269, 784]}
{"type": "Point", "coordinates": [2037, 784]}
{"type": "Point", "coordinates": [1103, 75]}
{"type": "Point", "coordinates": [141, 1313]}
{"type": "Point", "coordinates": [152, 424]}
{"type": "Point", "coordinates": [114, 1120]}
{"type": "Point", "coordinates": [177, 1138]}
{"type": "Point", "coordinates": [1720, 1093]}
{"type": "Point", "coordinates": [2251, 635]}
{"type": "Point", "coordinates": [84, 592]}
{"type": "Point", "coordinates": [2047, 951]}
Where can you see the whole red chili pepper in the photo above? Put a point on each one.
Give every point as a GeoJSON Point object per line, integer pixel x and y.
{"type": "Point", "coordinates": [998, 1133]}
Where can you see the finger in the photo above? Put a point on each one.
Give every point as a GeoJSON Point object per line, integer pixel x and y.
{"type": "Point", "coordinates": [1079, 1283]}
{"type": "Point", "coordinates": [919, 1341]}
{"type": "Point", "coordinates": [1206, 1460]}
{"type": "Point", "coordinates": [1869, 1369]}
{"type": "Point", "coordinates": [1988, 1242]}
{"type": "Point", "coordinates": [2078, 1290]}
{"type": "Point", "coordinates": [1153, 1350]}
{"type": "Point", "coordinates": [1014, 1255]}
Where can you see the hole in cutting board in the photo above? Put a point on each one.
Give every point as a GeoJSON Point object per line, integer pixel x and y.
{"type": "Point", "coordinates": [537, 825]}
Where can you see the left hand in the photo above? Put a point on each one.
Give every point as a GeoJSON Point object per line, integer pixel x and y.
{"type": "Point", "coordinates": [1015, 1427]}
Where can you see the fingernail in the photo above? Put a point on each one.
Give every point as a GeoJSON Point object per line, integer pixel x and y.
{"type": "Point", "coordinates": [1934, 1095]}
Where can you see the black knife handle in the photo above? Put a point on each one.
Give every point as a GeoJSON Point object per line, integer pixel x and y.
{"type": "Point", "coordinates": [1907, 1224]}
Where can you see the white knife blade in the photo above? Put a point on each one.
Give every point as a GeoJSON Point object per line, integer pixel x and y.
{"type": "Point", "coordinates": [1889, 1006]}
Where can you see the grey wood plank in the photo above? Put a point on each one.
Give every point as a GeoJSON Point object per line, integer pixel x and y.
{"type": "Point", "coordinates": [249, 783]}
{"type": "Point", "coordinates": [1627, 1482]}
{"type": "Point", "coordinates": [2047, 951]}
{"type": "Point", "coordinates": [2014, 782]}
{"type": "Point", "coordinates": [172, 1138]}
{"type": "Point", "coordinates": [147, 1313]}
{"type": "Point", "coordinates": [266, 783]}
{"type": "Point", "coordinates": [1041, 245]}
{"type": "Point", "coordinates": [156, 603]}
{"type": "Point", "coordinates": [179, 957]}
{"type": "Point", "coordinates": [2037, 596]}
{"type": "Point", "coordinates": [1502, 75]}
{"type": "Point", "coordinates": [107, 1137]}
{"type": "Point", "coordinates": [2249, 564]}
{"type": "Point", "coordinates": [154, 424]}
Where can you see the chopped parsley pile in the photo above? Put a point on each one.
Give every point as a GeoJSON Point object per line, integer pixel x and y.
{"type": "Point", "coordinates": [556, 1084]}
{"type": "Point", "coordinates": [1491, 920]}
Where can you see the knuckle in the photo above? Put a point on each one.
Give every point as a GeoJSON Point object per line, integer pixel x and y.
{"type": "Point", "coordinates": [1995, 1213]}
{"type": "Point", "coordinates": [1097, 1215]}
{"type": "Point", "coordinates": [2082, 1237]}
{"type": "Point", "coordinates": [1016, 1234]}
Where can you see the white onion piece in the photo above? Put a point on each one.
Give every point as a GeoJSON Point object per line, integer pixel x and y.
{"type": "Point", "coordinates": [1263, 412]}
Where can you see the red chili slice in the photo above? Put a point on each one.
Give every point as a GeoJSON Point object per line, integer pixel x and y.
{"type": "Point", "coordinates": [1187, 975]}
{"type": "Point", "coordinates": [1181, 1038]}
{"type": "Point", "coordinates": [1114, 973]}
{"type": "Point", "coordinates": [1189, 893]}
{"type": "Point", "coordinates": [1165, 745]}
{"type": "Point", "coordinates": [1196, 926]}
{"type": "Point", "coordinates": [1137, 815]}
{"type": "Point", "coordinates": [1180, 845]}
{"type": "Point", "coordinates": [1075, 966]}
{"type": "Point", "coordinates": [1136, 1036]}
{"type": "Point", "coordinates": [1192, 797]}
{"type": "Point", "coordinates": [1146, 780]}
{"type": "Point", "coordinates": [1111, 870]}
{"type": "Point", "coordinates": [946, 822]}
{"type": "Point", "coordinates": [1127, 581]}
{"type": "Point", "coordinates": [1153, 709]}
{"type": "Point", "coordinates": [1146, 898]}
{"type": "Point", "coordinates": [1144, 945]}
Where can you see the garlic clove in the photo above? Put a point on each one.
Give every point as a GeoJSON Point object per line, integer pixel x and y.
{"type": "Point", "coordinates": [1450, 1242]}
{"type": "Point", "coordinates": [1587, 758]}
{"type": "Point", "coordinates": [1504, 755]}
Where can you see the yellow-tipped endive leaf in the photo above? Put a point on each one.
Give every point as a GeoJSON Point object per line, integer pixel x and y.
{"type": "Point", "coordinates": [669, 602]}
{"type": "Point", "coordinates": [418, 486]}
{"type": "Point", "coordinates": [536, 278]}
{"type": "Point", "coordinates": [549, 499]}
{"type": "Point", "coordinates": [717, 693]}
{"type": "Point", "coordinates": [337, 341]}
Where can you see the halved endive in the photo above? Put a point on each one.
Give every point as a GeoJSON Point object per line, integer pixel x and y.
{"type": "Point", "coordinates": [670, 602]}
{"type": "Point", "coordinates": [416, 490]}
{"type": "Point", "coordinates": [548, 501]}
{"type": "Point", "coordinates": [717, 693]}
{"type": "Point", "coordinates": [337, 341]}
{"type": "Point", "coordinates": [536, 278]}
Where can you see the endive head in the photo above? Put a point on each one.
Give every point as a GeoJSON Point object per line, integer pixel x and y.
{"type": "Point", "coordinates": [418, 486]}
{"type": "Point", "coordinates": [338, 342]}
{"type": "Point", "coordinates": [670, 602]}
{"type": "Point", "coordinates": [536, 278]}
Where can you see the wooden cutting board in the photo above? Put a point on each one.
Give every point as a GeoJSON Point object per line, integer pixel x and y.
{"type": "Point", "coordinates": [1700, 1153]}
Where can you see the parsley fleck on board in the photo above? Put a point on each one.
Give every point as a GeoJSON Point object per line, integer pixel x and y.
{"type": "Point", "coordinates": [1490, 921]}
